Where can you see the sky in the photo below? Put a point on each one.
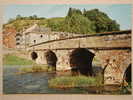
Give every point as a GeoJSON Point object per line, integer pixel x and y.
{"type": "Point", "coordinates": [119, 12]}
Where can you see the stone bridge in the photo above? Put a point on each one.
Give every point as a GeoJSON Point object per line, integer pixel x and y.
{"type": "Point", "coordinates": [114, 47]}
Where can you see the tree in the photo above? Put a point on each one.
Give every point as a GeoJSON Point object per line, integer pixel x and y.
{"type": "Point", "coordinates": [31, 17]}
{"type": "Point", "coordinates": [56, 24]}
{"type": "Point", "coordinates": [102, 22]}
{"type": "Point", "coordinates": [18, 17]}
{"type": "Point", "coordinates": [35, 17]}
{"type": "Point", "coordinates": [112, 26]}
{"type": "Point", "coordinates": [72, 11]}
{"type": "Point", "coordinates": [78, 24]}
{"type": "Point", "coordinates": [69, 12]}
{"type": "Point", "coordinates": [84, 12]}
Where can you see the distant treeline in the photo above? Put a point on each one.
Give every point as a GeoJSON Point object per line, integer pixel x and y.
{"type": "Point", "coordinates": [76, 21]}
{"type": "Point", "coordinates": [19, 17]}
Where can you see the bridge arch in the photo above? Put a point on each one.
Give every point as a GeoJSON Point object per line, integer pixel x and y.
{"type": "Point", "coordinates": [128, 74]}
{"type": "Point", "coordinates": [81, 61]}
{"type": "Point", "coordinates": [51, 59]}
{"type": "Point", "coordinates": [34, 55]}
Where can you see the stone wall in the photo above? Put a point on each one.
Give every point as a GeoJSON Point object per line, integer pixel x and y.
{"type": "Point", "coordinates": [118, 61]}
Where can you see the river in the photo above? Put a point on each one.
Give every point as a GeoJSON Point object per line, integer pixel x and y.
{"type": "Point", "coordinates": [30, 83]}
{"type": "Point", "coordinates": [35, 83]}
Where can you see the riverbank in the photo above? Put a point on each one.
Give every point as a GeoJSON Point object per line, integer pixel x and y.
{"type": "Point", "coordinates": [11, 59]}
{"type": "Point", "coordinates": [75, 81]}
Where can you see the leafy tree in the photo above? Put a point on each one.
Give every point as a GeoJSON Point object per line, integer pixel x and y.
{"type": "Point", "coordinates": [102, 22]}
{"type": "Point", "coordinates": [113, 26]}
{"type": "Point", "coordinates": [78, 24]}
{"type": "Point", "coordinates": [69, 12]}
{"type": "Point", "coordinates": [72, 11]}
{"type": "Point", "coordinates": [55, 24]}
{"type": "Point", "coordinates": [84, 12]}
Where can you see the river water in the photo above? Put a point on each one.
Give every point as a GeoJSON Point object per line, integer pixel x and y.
{"type": "Point", "coordinates": [34, 83]}
{"type": "Point", "coordinates": [37, 83]}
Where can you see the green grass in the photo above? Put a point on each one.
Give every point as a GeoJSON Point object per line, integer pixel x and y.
{"type": "Point", "coordinates": [75, 81]}
{"type": "Point", "coordinates": [10, 59]}
{"type": "Point", "coordinates": [34, 68]}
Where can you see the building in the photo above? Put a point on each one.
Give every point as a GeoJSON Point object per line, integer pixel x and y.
{"type": "Point", "coordinates": [9, 39]}
{"type": "Point", "coordinates": [37, 34]}
{"type": "Point", "coordinates": [20, 44]}
{"type": "Point", "coordinates": [34, 35]}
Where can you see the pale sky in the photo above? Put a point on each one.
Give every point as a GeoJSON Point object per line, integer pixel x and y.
{"type": "Point", "coordinates": [119, 12]}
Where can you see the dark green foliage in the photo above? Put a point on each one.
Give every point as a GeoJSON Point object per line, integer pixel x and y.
{"type": "Point", "coordinates": [75, 22]}
{"type": "Point", "coordinates": [78, 24]}
{"type": "Point", "coordinates": [101, 20]}
{"type": "Point", "coordinates": [91, 21]}
{"type": "Point", "coordinates": [56, 24]}
{"type": "Point", "coordinates": [113, 26]}
{"type": "Point", "coordinates": [73, 11]}
{"type": "Point", "coordinates": [69, 12]}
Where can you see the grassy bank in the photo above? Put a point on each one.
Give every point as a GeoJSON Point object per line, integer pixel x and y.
{"type": "Point", "coordinates": [11, 59]}
{"type": "Point", "coordinates": [75, 81]}
{"type": "Point", "coordinates": [36, 68]}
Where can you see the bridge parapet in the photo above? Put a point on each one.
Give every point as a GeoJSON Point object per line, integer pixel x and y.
{"type": "Point", "coordinates": [114, 39]}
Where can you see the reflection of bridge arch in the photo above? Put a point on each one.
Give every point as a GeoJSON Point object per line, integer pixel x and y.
{"type": "Point", "coordinates": [115, 46]}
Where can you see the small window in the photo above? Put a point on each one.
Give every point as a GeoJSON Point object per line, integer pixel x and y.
{"type": "Point", "coordinates": [41, 36]}
{"type": "Point", "coordinates": [17, 43]}
{"type": "Point", "coordinates": [34, 41]}
{"type": "Point", "coordinates": [17, 39]}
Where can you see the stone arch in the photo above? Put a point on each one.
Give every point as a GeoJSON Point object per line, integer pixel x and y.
{"type": "Point", "coordinates": [51, 58]}
{"type": "Point", "coordinates": [81, 61]}
{"type": "Point", "coordinates": [34, 55]}
{"type": "Point", "coordinates": [128, 74]}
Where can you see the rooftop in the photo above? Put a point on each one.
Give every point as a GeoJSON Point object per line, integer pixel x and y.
{"type": "Point", "coordinates": [36, 29]}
